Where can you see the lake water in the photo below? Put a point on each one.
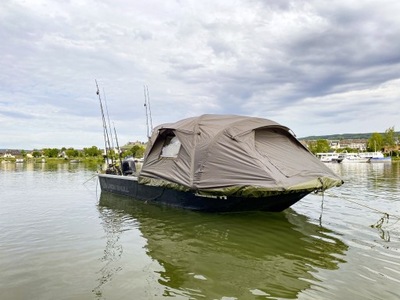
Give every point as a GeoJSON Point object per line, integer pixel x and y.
{"type": "Point", "coordinates": [61, 239]}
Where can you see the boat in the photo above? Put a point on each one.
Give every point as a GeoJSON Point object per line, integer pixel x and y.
{"type": "Point", "coordinates": [353, 158]}
{"type": "Point", "coordinates": [330, 157]}
{"type": "Point", "coordinates": [376, 156]}
{"type": "Point", "coordinates": [222, 163]}
{"type": "Point", "coordinates": [75, 161]}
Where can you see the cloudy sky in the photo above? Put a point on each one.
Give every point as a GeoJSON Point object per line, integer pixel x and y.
{"type": "Point", "coordinates": [318, 67]}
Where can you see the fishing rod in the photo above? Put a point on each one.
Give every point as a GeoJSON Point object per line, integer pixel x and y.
{"type": "Point", "coordinates": [108, 117]}
{"type": "Point", "coordinates": [119, 150]}
{"type": "Point", "coordinates": [105, 131]}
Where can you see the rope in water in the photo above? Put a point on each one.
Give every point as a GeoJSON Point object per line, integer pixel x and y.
{"type": "Point", "coordinates": [381, 220]}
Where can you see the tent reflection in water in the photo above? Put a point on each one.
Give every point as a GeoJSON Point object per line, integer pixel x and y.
{"type": "Point", "coordinates": [227, 163]}
{"type": "Point", "coordinates": [207, 256]}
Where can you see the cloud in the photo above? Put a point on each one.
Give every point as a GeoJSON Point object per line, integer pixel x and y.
{"type": "Point", "coordinates": [314, 67]}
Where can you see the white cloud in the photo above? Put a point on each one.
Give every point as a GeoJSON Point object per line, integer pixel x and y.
{"type": "Point", "coordinates": [306, 64]}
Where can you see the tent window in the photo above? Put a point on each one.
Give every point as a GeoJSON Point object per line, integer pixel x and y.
{"type": "Point", "coordinates": [171, 147]}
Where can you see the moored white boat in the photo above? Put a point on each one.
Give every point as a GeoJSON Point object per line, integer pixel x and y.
{"type": "Point", "coordinates": [380, 160]}
{"type": "Point", "coordinates": [376, 156]}
{"type": "Point", "coordinates": [329, 157]}
{"type": "Point", "coordinates": [354, 158]}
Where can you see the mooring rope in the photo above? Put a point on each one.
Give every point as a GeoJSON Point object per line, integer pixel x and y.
{"type": "Point", "coordinates": [90, 179]}
{"type": "Point", "coordinates": [380, 222]}
{"type": "Point", "coordinates": [367, 206]}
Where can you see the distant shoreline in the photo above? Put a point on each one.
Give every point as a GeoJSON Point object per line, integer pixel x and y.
{"type": "Point", "coordinates": [343, 136]}
{"type": "Point", "coordinates": [53, 159]}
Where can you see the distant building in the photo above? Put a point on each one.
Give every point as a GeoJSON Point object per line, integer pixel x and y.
{"type": "Point", "coordinates": [62, 154]}
{"type": "Point", "coordinates": [131, 144]}
{"type": "Point", "coordinates": [334, 144]}
{"type": "Point", "coordinates": [356, 144]}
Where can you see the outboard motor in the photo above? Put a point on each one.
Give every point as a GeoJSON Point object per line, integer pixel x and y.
{"type": "Point", "coordinates": [128, 166]}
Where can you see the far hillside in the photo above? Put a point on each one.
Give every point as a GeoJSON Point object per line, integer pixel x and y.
{"type": "Point", "coordinates": [344, 136]}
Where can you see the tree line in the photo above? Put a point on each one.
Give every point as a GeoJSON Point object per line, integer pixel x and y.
{"type": "Point", "coordinates": [388, 141]}
{"type": "Point", "coordinates": [136, 151]}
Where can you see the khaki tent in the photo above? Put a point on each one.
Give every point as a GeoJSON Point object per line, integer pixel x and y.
{"type": "Point", "coordinates": [232, 155]}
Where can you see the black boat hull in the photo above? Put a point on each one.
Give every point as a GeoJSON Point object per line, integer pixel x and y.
{"type": "Point", "coordinates": [129, 186]}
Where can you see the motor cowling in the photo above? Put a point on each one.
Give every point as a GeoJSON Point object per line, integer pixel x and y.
{"type": "Point", "coordinates": [128, 166]}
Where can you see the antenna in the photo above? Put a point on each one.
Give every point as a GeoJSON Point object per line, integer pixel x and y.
{"type": "Point", "coordinates": [147, 111]}
{"type": "Point", "coordinates": [148, 102]}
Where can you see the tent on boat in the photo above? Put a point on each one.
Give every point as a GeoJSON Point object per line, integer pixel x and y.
{"type": "Point", "coordinates": [232, 155]}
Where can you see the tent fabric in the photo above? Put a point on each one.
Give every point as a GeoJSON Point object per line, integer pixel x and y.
{"type": "Point", "coordinates": [233, 155]}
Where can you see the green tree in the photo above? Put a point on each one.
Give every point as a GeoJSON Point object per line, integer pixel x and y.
{"type": "Point", "coordinates": [389, 138]}
{"type": "Point", "coordinates": [71, 152]}
{"type": "Point", "coordinates": [51, 152]}
{"type": "Point", "coordinates": [137, 151]}
{"type": "Point", "coordinates": [319, 146]}
{"type": "Point", "coordinates": [36, 153]}
{"type": "Point", "coordinates": [375, 142]}
{"type": "Point", "coordinates": [92, 151]}
{"type": "Point", "coordinates": [346, 150]}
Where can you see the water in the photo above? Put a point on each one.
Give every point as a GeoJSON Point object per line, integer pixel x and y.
{"type": "Point", "coordinates": [59, 239]}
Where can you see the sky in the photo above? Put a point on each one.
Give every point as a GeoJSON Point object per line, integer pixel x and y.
{"type": "Point", "coordinates": [317, 67]}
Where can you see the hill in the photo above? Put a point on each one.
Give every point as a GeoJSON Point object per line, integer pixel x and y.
{"type": "Point", "coordinates": [343, 136]}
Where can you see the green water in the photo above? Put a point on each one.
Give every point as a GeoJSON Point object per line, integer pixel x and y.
{"type": "Point", "coordinates": [61, 238]}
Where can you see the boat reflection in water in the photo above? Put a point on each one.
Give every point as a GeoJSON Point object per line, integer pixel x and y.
{"type": "Point", "coordinates": [240, 256]}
